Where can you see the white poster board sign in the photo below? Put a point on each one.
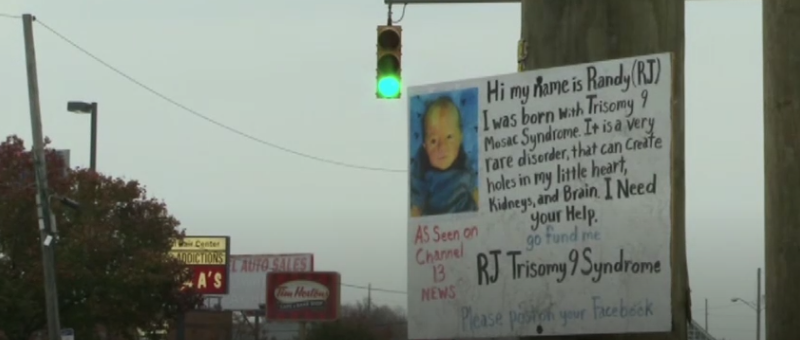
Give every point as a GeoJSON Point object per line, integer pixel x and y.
{"type": "Point", "coordinates": [540, 202]}
{"type": "Point", "coordinates": [248, 277]}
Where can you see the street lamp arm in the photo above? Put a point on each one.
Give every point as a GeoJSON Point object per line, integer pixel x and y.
{"type": "Point", "coordinates": [748, 303]}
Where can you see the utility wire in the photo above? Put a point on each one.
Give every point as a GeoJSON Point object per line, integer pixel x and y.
{"type": "Point", "coordinates": [204, 117]}
{"type": "Point", "coordinates": [9, 16]}
{"type": "Point", "coordinates": [727, 306]}
{"type": "Point", "coordinates": [391, 291]}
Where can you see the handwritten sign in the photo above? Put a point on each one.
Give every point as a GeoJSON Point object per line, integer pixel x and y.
{"type": "Point", "coordinates": [540, 202]}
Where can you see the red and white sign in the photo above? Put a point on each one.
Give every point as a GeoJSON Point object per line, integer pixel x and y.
{"type": "Point", "coordinates": [248, 277]}
{"type": "Point", "coordinates": [209, 279]}
{"type": "Point", "coordinates": [302, 296]}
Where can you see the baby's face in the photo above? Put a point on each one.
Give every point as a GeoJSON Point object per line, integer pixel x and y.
{"type": "Point", "coordinates": [442, 137]}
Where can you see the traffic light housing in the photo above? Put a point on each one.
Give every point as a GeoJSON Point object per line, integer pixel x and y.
{"type": "Point", "coordinates": [389, 82]}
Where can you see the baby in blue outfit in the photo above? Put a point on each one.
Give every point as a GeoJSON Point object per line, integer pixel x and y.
{"type": "Point", "coordinates": [442, 180]}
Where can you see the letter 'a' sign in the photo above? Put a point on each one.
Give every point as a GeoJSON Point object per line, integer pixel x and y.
{"type": "Point", "coordinates": [540, 202]}
{"type": "Point", "coordinates": [303, 296]}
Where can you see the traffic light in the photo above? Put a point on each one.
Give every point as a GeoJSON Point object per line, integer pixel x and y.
{"type": "Point", "coordinates": [390, 82]}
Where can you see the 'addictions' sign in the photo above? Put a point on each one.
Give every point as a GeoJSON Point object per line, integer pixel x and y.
{"type": "Point", "coordinates": [208, 256]}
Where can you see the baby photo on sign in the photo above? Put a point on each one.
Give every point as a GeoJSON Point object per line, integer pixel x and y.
{"type": "Point", "coordinates": [444, 153]}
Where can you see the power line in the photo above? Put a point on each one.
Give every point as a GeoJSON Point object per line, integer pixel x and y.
{"type": "Point", "coordinates": [727, 306]}
{"type": "Point", "coordinates": [10, 16]}
{"type": "Point", "coordinates": [204, 117]}
{"type": "Point", "coordinates": [390, 291]}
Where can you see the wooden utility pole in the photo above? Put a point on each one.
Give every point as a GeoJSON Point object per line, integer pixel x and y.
{"type": "Point", "coordinates": [759, 309]}
{"type": "Point", "coordinates": [706, 326]}
{"type": "Point", "coordinates": [782, 167]}
{"type": "Point", "coordinates": [565, 32]}
{"type": "Point", "coordinates": [46, 227]}
{"type": "Point", "coordinates": [369, 300]}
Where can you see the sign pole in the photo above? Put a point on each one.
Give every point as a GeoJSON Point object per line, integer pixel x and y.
{"type": "Point", "coordinates": [257, 326]}
{"type": "Point", "coordinates": [558, 32]}
{"type": "Point", "coordinates": [781, 168]}
{"type": "Point", "coordinates": [181, 327]}
{"type": "Point", "coordinates": [303, 330]}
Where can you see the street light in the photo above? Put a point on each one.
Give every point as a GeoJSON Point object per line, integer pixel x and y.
{"type": "Point", "coordinates": [758, 306]}
{"type": "Point", "coordinates": [90, 108]}
{"type": "Point", "coordinates": [749, 304]}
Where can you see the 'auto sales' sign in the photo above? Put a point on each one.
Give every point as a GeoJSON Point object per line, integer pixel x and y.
{"type": "Point", "coordinates": [303, 296]}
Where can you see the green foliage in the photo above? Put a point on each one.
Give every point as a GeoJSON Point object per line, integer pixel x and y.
{"type": "Point", "coordinates": [113, 266]}
{"type": "Point", "coordinates": [363, 321]}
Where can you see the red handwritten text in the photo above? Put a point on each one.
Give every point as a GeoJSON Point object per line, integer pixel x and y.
{"type": "Point", "coordinates": [470, 232]}
{"type": "Point", "coordinates": [440, 235]}
{"type": "Point", "coordinates": [449, 247]}
{"type": "Point", "coordinates": [425, 256]}
{"type": "Point", "coordinates": [434, 293]}
{"type": "Point", "coordinates": [438, 273]}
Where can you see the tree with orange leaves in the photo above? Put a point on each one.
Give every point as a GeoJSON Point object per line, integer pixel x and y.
{"type": "Point", "coordinates": [113, 266]}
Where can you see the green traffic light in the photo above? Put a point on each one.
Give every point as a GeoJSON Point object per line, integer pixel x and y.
{"type": "Point", "coordinates": [389, 87]}
{"type": "Point", "coordinates": [389, 83]}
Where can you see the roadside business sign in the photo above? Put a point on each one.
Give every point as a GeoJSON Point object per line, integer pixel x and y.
{"type": "Point", "coordinates": [209, 259]}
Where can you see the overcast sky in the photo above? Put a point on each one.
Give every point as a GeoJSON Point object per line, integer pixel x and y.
{"type": "Point", "coordinates": [300, 74]}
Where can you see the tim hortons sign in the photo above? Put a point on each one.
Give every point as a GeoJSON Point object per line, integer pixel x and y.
{"type": "Point", "coordinates": [303, 296]}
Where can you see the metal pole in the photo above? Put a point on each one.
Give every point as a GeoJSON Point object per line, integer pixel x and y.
{"type": "Point", "coordinates": [706, 315]}
{"type": "Point", "coordinates": [257, 328]}
{"type": "Point", "coordinates": [180, 332]}
{"type": "Point", "coordinates": [42, 198]}
{"type": "Point", "coordinates": [758, 306]}
{"type": "Point", "coordinates": [303, 331]}
{"type": "Point", "coordinates": [93, 159]}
